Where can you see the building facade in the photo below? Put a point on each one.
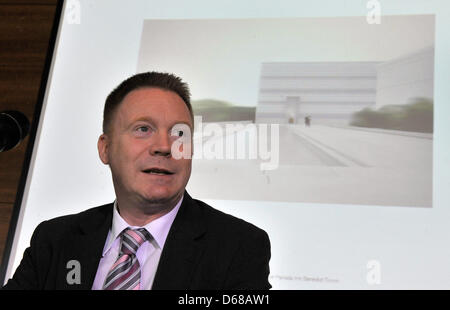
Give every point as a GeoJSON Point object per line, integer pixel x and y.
{"type": "Point", "coordinates": [326, 92]}
{"type": "Point", "coordinates": [331, 92]}
{"type": "Point", "coordinates": [404, 78]}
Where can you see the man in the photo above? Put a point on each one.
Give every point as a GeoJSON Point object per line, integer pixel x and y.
{"type": "Point", "coordinates": [155, 235]}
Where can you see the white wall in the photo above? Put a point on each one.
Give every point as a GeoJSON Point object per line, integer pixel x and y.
{"type": "Point", "coordinates": [406, 77]}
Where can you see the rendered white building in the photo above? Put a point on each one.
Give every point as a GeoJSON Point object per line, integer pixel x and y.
{"type": "Point", "coordinates": [330, 92]}
{"type": "Point", "coordinates": [401, 79]}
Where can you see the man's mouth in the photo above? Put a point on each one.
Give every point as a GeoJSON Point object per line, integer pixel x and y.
{"type": "Point", "coordinates": [158, 171]}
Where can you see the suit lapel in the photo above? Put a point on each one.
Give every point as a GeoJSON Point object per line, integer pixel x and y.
{"type": "Point", "coordinates": [86, 247]}
{"type": "Point", "coordinates": [183, 248]}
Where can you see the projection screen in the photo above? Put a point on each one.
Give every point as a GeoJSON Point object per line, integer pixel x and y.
{"type": "Point", "coordinates": [325, 123]}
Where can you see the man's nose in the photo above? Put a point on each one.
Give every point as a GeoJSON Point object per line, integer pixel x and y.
{"type": "Point", "coordinates": [161, 145]}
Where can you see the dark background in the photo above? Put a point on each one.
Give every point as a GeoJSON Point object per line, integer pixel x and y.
{"type": "Point", "coordinates": [25, 29]}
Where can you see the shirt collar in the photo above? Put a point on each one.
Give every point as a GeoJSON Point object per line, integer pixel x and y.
{"type": "Point", "coordinates": [158, 228]}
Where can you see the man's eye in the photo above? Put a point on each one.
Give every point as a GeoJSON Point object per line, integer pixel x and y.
{"type": "Point", "coordinates": [143, 129]}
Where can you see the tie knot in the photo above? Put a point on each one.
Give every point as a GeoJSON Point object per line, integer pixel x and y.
{"type": "Point", "coordinates": [133, 238]}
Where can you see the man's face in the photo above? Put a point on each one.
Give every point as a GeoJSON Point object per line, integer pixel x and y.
{"type": "Point", "coordinates": [140, 141]}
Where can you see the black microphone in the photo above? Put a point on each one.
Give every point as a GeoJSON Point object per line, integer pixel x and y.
{"type": "Point", "coordinates": [14, 127]}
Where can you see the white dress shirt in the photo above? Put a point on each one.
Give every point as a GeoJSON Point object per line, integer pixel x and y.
{"type": "Point", "coordinates": [148, 253]}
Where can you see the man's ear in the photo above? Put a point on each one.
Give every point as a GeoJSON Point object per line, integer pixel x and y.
{"type": "Point", "coordinates": [103, 148]}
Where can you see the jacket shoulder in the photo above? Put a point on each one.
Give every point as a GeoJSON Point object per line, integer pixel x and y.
{"type": "Point", "coordinates": [61, 225]}
{"type": "Point", "coordinates": [242, 249]}
{"type": "Point", "coordinates": [226, 223]}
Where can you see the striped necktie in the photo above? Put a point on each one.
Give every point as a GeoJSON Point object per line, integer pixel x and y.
{"type": "Point", "coordinates": [125, 274]}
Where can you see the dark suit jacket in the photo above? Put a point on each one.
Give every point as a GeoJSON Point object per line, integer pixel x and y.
{"type": "Point", "coordinates": [205, 249]}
